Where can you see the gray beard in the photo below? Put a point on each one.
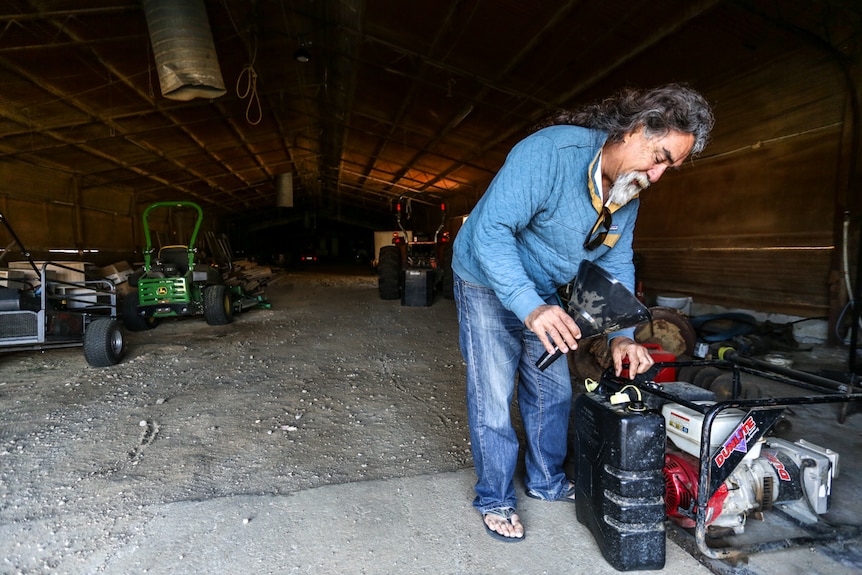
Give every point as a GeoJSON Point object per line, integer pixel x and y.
{"type": "Point", "coordinates": [627, 186]}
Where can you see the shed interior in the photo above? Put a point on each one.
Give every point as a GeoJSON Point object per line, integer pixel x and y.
{"type": "Point", "coordinates": [308, 119]}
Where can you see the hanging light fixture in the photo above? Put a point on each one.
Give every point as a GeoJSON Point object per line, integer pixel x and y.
{"type": "Point", "coordinates": [302, 55]}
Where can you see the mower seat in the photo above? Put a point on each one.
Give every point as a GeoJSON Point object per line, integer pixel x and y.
{"type": "Point", "coordinates": [176, 255]}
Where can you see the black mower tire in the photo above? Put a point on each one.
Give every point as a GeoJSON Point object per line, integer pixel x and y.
{"type": "Point", "coordinates": [218, 308]}
{"type": "Point", "coordinates": [131, 320]}
{"type": "Point", "coordinates": [389, 269]}
{"type": "Point", "coordinates": [103, 342]}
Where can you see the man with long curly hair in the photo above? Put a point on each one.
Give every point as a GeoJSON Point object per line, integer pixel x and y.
{"type": "Point", "coordinates": [568, 192]}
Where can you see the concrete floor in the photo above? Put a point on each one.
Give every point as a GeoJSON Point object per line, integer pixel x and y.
{"type": "Point", "coordinates": [413, 524]}
{"type": "Point", "coordinates": [406, 526]}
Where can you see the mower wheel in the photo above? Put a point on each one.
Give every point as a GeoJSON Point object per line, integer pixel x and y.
{"type": "Point", "coordinates": [131, 319]}
{"type": "Point", "coordinates": [103, 343]}
{"type": "Point", "coordinates": [218, 309]}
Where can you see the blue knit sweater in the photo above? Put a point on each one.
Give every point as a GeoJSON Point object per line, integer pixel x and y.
{"type": "Point", "coordinates": [525, 236]}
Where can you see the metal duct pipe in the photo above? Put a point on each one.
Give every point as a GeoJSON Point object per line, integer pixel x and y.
{"type": "Point", "coordinates": [184, 49]}
{"type": "Point", "coordinates": [284, 190]}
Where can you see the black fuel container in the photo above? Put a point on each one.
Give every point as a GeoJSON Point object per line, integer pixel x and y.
{"type": "Point", "coordinates": [619, 481]}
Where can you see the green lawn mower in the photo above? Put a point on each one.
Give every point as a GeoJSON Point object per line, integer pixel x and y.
{"type": "Point", "coordinates": [174, 283]}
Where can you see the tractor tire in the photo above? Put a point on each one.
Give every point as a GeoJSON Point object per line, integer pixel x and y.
{"type": "Point", "coordinates": [218, 309]}
{"type": "Point", "coordinates": [389, 269]}
{"type": "Point", "coordinates": [448, 286]}
{"type": "Point", "coordinates": [131, 319]}
{"type": "Point", "coordinates": [103, 343]}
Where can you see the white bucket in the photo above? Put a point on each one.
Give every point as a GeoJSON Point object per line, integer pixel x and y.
{"type": "Point", "coordinates": [678, 302]}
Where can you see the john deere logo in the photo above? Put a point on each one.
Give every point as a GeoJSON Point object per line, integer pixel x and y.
{"type": "Point", "coordinates": [162, 291]}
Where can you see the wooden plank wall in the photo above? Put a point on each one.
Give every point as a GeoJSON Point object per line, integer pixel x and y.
{"type": "Point", "coordinates": [48, 211]}
{"type": "Point", "coordinates": [754, 223]}
{"type": "Point", "coordinates": [51, 210]}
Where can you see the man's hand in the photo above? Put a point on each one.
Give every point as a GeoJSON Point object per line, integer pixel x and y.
{"type": "Point", "coordinates": [639, 358]}
{"type": "Point", "coordinates": [553, 321]}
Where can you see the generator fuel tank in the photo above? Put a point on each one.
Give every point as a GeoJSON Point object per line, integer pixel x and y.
{"type": "Point", "coordinates": [619, 480]}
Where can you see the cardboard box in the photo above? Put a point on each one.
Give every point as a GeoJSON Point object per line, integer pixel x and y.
{"type": "Point", "coordinates": [26, 277]}
{"type": "Point", "coordinates": [117, 272]}
{"type": "Point", "coordinates": [124, 289]}
{"type": "Point", "coordinates": [81, 298]}
{"type": "Point", "coordinates": [13, 279]}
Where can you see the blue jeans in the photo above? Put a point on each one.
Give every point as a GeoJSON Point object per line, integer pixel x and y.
{"type": "Point", "coordinates": [497, 346]}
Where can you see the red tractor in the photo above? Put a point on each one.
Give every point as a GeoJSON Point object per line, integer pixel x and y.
{"type": "Point", "coordinates": [415, 266]}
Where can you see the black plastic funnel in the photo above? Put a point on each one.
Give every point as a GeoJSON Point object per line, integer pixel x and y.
{"type": "Point", "coordinates": [600, 304]}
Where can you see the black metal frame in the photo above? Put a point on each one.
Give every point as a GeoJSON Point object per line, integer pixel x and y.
{"type": "Point", "coordinates": [761, 415]}
{"type": "Point", "coordinates": [856, 313]}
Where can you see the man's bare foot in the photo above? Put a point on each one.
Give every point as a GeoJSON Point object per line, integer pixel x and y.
{"type": "Point", "coordinates": [504, 524]}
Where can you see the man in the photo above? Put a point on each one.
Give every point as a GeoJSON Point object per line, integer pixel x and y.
{"type": "Point", "coordinates": [566, 193]}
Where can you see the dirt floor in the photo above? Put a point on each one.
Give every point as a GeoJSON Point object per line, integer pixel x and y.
{"type": "Point", "coordinates": [281, 401]}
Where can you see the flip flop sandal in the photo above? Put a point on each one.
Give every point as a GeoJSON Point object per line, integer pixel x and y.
{"type": "Point", "coordinates": [506, 514]}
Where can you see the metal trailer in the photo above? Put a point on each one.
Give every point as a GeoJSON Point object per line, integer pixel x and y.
{"type": "Point", "coordinates": [43, 312]}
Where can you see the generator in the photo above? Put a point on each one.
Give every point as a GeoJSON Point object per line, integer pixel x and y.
{"type": "Point", "coordinates": [646, 452]}
{"type": "Point", "coordinates": [796, 475]}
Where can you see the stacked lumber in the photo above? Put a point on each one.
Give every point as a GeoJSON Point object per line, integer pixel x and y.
{"type": "Point", "coordinates": [251, 276]}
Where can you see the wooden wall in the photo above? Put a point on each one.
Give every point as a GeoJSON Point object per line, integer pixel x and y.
{"type": "Point", "coordinates": [51, 210]}
{"type": "Point", "coordinates": [755, 222]}
{"type": "Point", "coordinates": [48, 210]}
